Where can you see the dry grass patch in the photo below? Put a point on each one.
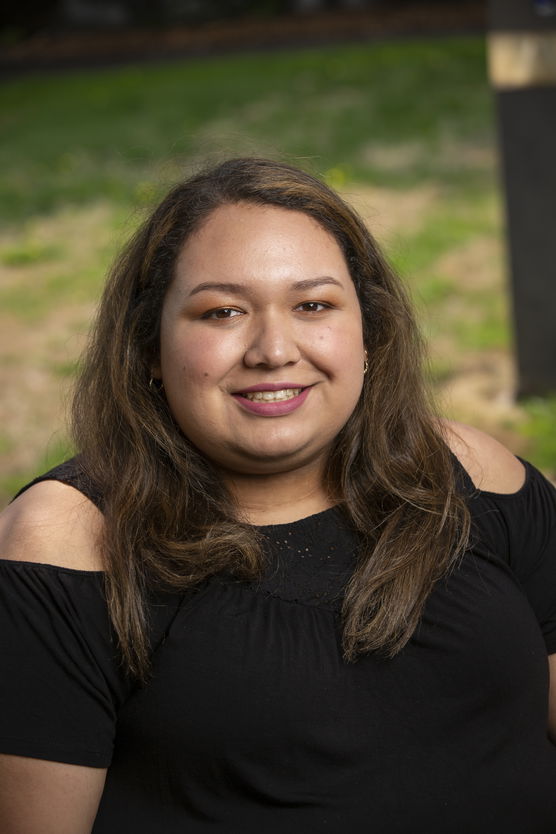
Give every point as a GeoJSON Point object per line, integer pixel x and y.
{"type": "Point", "coordinates": [47, 305]}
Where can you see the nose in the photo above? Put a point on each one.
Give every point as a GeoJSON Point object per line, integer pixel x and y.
{"type": "Point", "coordinates": [272, 343]}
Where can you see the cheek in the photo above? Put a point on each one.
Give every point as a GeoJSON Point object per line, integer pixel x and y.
{"type": "Point", "coordinates": [348, 361]}
{"type": "Point", "coordinates": [193, 361]}
{"type": "Point", "coordinates": [342, 349]}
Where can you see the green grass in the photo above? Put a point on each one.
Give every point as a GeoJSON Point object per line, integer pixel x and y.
{"type": "Point", "coordinates": [479, 321]}
{"type": "Point", "coordinates": [32, 304]}
{"type": "Point", "coordinates": [66, 369]}
{"type": "Point", "coordinates": [40, 278]}
{"type": "Point", "coordinates": [463, 215]}
{"type": "Point", "coordinates": [123, 134]}
{"type": "Point", "coordinates": [539, 429]}
{"type": "Point", "coordinates": [29, 252]}
{"type": "Point", "coordinates": [57, 450]}
{"type": "Point", "coordinates": [490, 329]}
{"type": "Point", "coordinates": [6, 443]}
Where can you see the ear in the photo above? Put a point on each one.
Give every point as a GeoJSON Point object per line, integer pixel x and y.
{"type": "Point", "coordinates": [156, 371]}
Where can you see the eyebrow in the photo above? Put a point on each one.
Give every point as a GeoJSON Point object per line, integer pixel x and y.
{"type": "Point", "coordinates": [241, 289]}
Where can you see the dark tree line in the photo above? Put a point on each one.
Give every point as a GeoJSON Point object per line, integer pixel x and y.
{"type": "Point", "coordinates": [31, 15]}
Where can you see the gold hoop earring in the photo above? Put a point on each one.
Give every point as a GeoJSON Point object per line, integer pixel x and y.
{"type": "Point", "coordinates": [156, 385]}
{"type": "Point", "coordinates": [365, 364]}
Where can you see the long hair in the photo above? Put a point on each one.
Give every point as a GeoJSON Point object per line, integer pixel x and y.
{"type": "Point", "coordinates": [170, 522]}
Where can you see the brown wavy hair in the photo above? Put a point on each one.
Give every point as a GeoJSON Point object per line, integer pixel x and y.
{"type": "Point", "coordinates": [170, 522]}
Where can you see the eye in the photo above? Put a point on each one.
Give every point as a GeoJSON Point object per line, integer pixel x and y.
{"type": "Point", "coordinates": [221, 313]}
{"type": "Point", "coordinates": [313, 306]}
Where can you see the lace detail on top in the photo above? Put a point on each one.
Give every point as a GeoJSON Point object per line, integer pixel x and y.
{"type": "Point", "coordinates": [309, 561]}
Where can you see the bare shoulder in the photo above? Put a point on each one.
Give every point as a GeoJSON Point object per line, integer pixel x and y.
{"type": "Point", "coordinates": [489, 464]}
{"type": "Point", "coordinates": [52, 523]}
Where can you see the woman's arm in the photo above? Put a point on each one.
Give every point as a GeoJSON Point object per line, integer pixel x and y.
{"type": "Point", "coordinates": [552, 699]}
{"type": "Point", "coordinates": [492, 467]}
{"type": "Point", "coordinates": [55, 524]}
{"type": "Point", "coordinates": [40, 797]}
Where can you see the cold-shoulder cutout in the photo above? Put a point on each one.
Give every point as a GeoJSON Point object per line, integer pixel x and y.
{"type": "Point", "coordinates": [52, 523]}
{"type": "Point", "coordinates": [491, 467]}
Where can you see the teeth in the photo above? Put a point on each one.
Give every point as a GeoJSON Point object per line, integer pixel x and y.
{"type": "Point", "coordinates": [272, 396]}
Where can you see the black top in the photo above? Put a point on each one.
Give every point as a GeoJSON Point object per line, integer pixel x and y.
{"type": "Point", "coordinates": [253, 722]}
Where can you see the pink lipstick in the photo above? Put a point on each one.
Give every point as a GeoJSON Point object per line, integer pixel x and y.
{"type": "Point", "coordinates": [272, 399]}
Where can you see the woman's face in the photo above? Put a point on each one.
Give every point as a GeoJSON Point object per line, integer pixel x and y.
{"type": "Point", "coordinates": [261, 349]}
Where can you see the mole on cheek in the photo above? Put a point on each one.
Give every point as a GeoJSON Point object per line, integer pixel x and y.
{"type": "Point", "coordinates": [205, 373]}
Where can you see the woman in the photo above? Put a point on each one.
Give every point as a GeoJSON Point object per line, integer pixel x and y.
{"type": "Point", "coordinates": [274, 591]}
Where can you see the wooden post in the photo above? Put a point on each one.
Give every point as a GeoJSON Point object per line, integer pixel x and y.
{"type": "Point", "coordinates": [522, 67]}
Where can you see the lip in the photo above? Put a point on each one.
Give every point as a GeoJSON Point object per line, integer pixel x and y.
{"type": "Point", "coordinates": [272, 409]}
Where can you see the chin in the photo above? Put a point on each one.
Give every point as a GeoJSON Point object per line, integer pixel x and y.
{"type": "Point", "coordinates": [275, 460]}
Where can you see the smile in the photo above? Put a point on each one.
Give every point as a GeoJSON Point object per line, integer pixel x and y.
{"type": "Point", "coordinates": [272, 396]}
{"type": "Point", "coordinates": [272, 402]}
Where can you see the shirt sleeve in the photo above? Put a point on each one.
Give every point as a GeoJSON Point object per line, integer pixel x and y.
{"type": "Point", "coordinates": [61, 682]}
{"type": "Point", "coordinates": [521, 528]}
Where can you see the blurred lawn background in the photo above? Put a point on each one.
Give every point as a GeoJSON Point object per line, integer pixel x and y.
{"type": "Point", "coordinates": [404, 129]}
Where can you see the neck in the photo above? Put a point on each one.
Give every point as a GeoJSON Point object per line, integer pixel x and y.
{"type": "Point", "coordinates": [278, 498]}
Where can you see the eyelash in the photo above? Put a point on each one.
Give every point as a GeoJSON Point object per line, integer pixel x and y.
{"type": "Point", "coordinates": [216, 314]}
{"type": "Point", "coordinates": [320, 304]}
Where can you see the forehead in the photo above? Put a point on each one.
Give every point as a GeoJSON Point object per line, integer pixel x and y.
{"type": "Point", "coordinates": [260, 239]}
